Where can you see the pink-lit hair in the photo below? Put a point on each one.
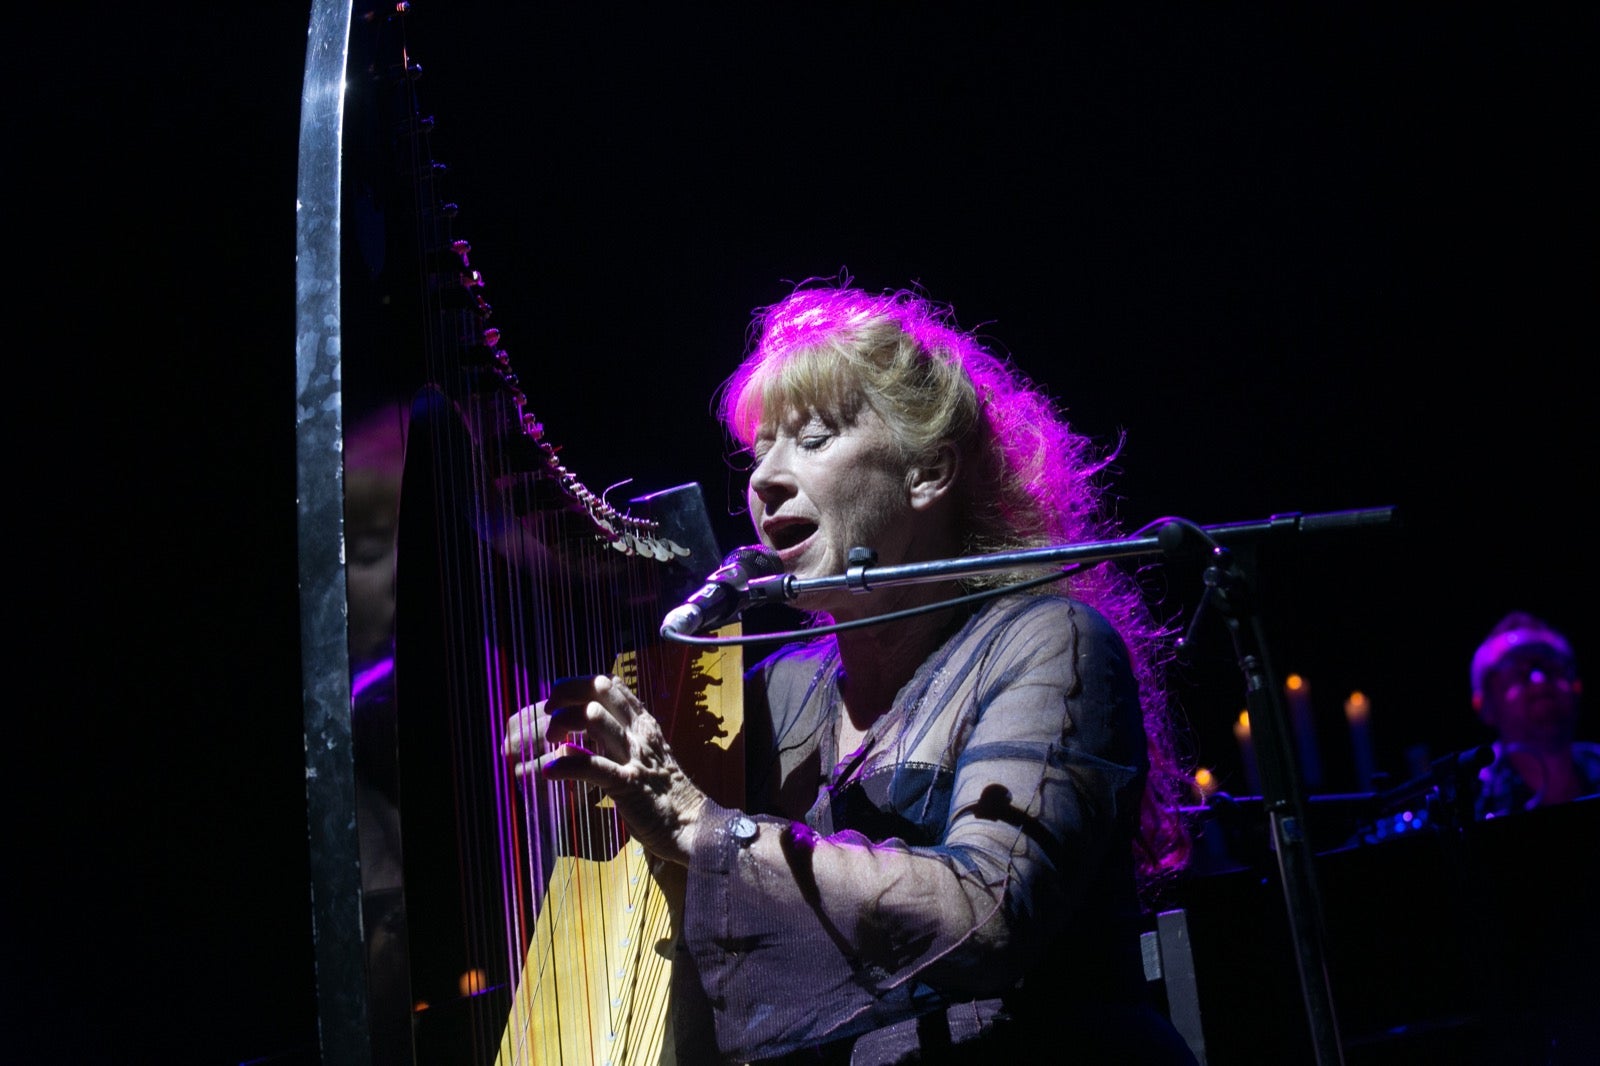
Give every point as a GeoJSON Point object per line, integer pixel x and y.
{"type": "Point", "coordinates": [1029, 479]}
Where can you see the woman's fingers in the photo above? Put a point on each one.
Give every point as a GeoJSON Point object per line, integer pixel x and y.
{"type": "Point", "coordinates": [601, 708]}
{"type": "Point", "coordinates": [592, 719]}
{"type": "Point", "coordinates": [571, 762]}
{"type": "Point", "coordinates": [572, 690]}
{"type": "Point", "coordinates": [618, 698]}
{"type": "Point", "coordinates": [609, 690]}
{"type": "Point", "coordinates": [525, 731]}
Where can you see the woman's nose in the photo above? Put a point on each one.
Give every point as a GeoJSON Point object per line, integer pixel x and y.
{"type": "Point", "coordinates": [769, 477]}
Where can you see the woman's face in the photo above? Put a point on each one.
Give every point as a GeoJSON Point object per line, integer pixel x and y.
{"type": "Point", "coordinates": [819, 489]}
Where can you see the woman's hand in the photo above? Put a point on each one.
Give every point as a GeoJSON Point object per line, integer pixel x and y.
{"type": "Point", "coordinates": [623, 752]}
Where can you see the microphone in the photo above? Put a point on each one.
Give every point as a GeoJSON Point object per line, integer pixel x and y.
{"type": "Point", "coordinates": [725, 593]}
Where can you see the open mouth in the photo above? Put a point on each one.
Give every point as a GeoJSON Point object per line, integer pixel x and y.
{"type": "Point", "coordinates": [789, 534]}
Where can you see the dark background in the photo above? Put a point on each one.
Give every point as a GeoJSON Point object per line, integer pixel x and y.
{"type": "Point", "coordinates": [1308, 260]}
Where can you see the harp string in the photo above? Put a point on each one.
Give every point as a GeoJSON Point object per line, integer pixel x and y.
{"type": "Point", "coordinates": [537, 579]}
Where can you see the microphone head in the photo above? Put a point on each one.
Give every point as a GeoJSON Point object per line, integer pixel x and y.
{"type": "Point", "coordinates": [722, 597]}
{"type": "Point", "coordinates": [753, 561]}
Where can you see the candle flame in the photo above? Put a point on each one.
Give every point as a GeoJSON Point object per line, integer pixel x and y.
{"type": "Point", "coordinates": [1356, 708]}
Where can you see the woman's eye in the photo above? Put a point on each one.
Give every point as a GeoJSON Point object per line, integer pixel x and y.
{"type": "Point", "coordinates": [812, 441]}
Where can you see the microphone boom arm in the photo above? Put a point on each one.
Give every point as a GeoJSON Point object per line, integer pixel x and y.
{"type": "Point", "coordinates": [1169, 535]}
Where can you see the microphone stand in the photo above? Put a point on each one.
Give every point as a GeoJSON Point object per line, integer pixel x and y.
{"type": "Point", "coordinates": [1231, 587]}
{"type": "Point", "coordinates": [1231, 590]}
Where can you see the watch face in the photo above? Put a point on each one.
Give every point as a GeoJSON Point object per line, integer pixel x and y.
{"type": "Point", "coordinates": [743, 829]}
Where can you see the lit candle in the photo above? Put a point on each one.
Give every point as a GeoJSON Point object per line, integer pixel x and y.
{"type": "Point", "coordinates": [1247, 752]}
{"type": "Point", "coordinates": [1304, 724]}
{"type": "Point", "coordinates": [1357, 712]}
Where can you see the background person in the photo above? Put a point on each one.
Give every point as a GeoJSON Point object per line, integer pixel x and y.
{"type": "Point", "coordinates": [1527, 691]}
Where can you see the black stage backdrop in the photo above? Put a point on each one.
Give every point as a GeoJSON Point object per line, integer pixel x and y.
{"type": "Point", "coordinates": [1308, 260]}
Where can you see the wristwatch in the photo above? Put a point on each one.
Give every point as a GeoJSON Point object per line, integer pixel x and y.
{"type": "Point", "coordinates": [743, 829]}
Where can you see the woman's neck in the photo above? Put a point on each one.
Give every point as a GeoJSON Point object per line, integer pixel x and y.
{"type": "Point", "coordinates": [877, 661]}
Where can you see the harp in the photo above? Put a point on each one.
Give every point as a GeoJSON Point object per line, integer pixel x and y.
{"type": "Point", "coordinates": [451, 565]}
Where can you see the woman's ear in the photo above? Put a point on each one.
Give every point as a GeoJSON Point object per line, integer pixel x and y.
{"type": "Point", "coordinates": [932, 481]}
